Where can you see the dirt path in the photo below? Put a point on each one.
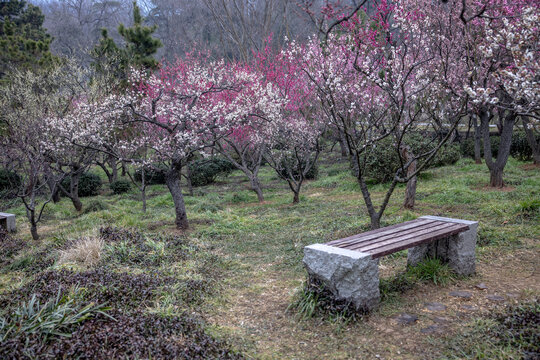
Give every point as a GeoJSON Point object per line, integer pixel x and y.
{"type": "Point", "coordinates": [256, 313]}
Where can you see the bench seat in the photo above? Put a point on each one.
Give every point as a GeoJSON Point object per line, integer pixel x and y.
{"type": "Point", "coordinates": [399, 237]}
{"type": "Point", "coordinates": [348, 267]}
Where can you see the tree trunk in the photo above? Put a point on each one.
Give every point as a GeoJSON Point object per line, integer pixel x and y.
{"type": "Point", "coordinates": [143, 195]}
{"type": "Point", "coordinates": [496, 178]}
{"type": "Point", "coordinates": [296, 197]}
{"type": "Point", "coordinates": [535, 146]}
{"type": "Point", "coordinates": [74, 190]}
{"type": "Point", "coordinates": [496, 168]}
{"type": "Point", "coordinates": [114, 169]}
{"type": "Point", "coordinates": [33, 231]}
{"type": "Point", "coordinates": [256, 186]}
{"type": "Point", "coordinates": [123, 168]}
{"type": "Point", "coordinates": [172, 179]}
{"type": "Point", "coordinates": [477, 142]}
{"type": "Point", "coordinates": [373, 214]}
{"type": "Point", "coordinates": [143, 190]}
{"type": "Point", "coordinates": [53, 187]}
{"type": "Point", "coordinates": [31, 214]}
{"type": "Point", "coordinates": [55, 195]}
{"type": "Point", "coordinates": [410, 191]}
{"type": "Point", "coordinates": [375, 221]}
{"type": "Point", "coordinates": [343, 144]}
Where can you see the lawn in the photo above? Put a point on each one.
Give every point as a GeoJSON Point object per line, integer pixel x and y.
{"type": "Point", "coordinates": [224, 287]}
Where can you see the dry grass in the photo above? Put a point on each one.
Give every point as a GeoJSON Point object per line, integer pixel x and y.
{"type": "Point", "coordinates": [85, 252]}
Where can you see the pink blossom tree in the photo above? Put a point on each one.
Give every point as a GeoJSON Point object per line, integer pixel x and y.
{"type": "Point", "coordinates": [165, 117]}
{"type": "Point", "coordinates": [376, 78]}
{"type": "Point", "coordinates": [295, 140]}
{"type": "Point", "coordinates": [250, 134]}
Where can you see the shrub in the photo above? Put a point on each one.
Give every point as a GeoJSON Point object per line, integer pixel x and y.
{"type": "Point", "coordinates": [382, 160]}
{"type": "Point", "coordinates": [9, 180]}
{"type": "Point", "coordinates": [312, 174]}
{"type": "Point", "coordinates": [85, 252]}
{"type": "Point", "coordinates": [120, 186]}
{"type": "Point", "coordinates": [10, 246]}
{"type": "Point", "coordinates": [114, 335]}
{"type": "Point", "coordinates": [520, 148]}
{"type": "Point", "coordinates": [101, 285]}
{"type": "Point", "coordinates": [152, 176]}
{"type": "Point", "coordinates": [467, 147]}
{"type": "Point", "coordinates": [95, 205]}
{"type": "Point", "coordinates": [448, 155]}
{"type": "Point", "coordinates": [205, 171]}
{"type": "Point", "coordinates": [89, 184]}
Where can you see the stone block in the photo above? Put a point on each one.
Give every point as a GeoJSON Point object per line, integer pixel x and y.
{"type": "Point", "coordinates": [459, 251]}
{"type": "Point", "coordinates": [350, 275]}
{"type": "Point", "coordinates": [7, 221]}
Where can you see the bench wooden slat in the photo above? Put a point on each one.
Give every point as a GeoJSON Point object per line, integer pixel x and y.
{"type": "Point", "coordinates": [390, 249]}
{"type": "Point", "coordinates": [447, 229]}
{"type": "Point", "coordinates": [411, 230]}
{"type": "Point", "coordinates": [373, 234]}
{"type": "Point", "coordinates": [398, 237]}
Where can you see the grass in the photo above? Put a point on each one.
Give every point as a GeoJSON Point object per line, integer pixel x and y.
{"type": "Point", "coordinates": [239, 249]}
{"type": "Point", "coordinates": [513, 333]}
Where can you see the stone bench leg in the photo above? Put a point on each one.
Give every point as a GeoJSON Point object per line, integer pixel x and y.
{"type": "Point", "coordinates": [350, 275]}
{"type": "Point", "coordinates": [459, 251]}
{"type": "Point", "coordinates": [7, 221]}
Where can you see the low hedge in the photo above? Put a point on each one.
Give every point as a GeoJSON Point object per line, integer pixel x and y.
{"type": "Point", "coordinates": [120, 186]}
{"type": "Point", "coordinates": [204, 171]}
{"type": "Point", "coordinates": [89, 184]}
{"type": "Point", "coordinates": [382, 160]}
{"type": "Point", "coordinates": [152, 176]}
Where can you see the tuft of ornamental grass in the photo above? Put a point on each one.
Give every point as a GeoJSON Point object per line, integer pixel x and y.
{"type": "Point", "coordinates": [85, 252]}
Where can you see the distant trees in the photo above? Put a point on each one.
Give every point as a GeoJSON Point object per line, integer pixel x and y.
{"type": "Point", "coordinates": [24, 43]}
{"type": "Point", "coordinates": [76, 25]}
{"type": "Point", "coordinates": [25, 102]}
{"type": "Point", "coordinates": [137, 51]}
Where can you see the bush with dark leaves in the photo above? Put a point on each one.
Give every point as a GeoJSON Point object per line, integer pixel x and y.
{"type": "Point", "coordinates": [520, 148]}
{"type": "Point", "coordinates": [467, 146]}
{"type": "Point", "coordinates": [118, 289]}
{"type": "Point", "coordinates": [312, 173]}
{"type": "Point", "coordinates": [120, 186]}
{"type": "Point", "coordinates": [89, 184]}
{"type": "Point", "coordinates": [382, 160]}
{"type": "Point", "coordinates": [9, 182]}
{"type": "Point", "coordinates": [10, 247]}
{"type": "Point", "coordinates": [33, 263]}
{"type": "Point", "coordinates": [126, 336]}
{"type": "Point", "coordinates": [205, 171]}
{"type": "Point", "coordinates": [152, 176]}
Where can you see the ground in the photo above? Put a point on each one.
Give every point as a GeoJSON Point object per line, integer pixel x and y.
{"type": "Point", "coordinates": [255, 251]}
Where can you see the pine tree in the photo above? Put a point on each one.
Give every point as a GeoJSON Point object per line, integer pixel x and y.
{"type": "Point", "coordinates": [138, 50]}
{"type": "Point", "coordinates": [24, 43]}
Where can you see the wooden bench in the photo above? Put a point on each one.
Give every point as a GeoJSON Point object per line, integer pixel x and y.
{"type": "Point", "coordinates": [349, 266]}
{"type": "Point", "coordinates": [7, 221]}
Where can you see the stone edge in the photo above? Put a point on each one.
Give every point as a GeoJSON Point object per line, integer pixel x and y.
{"type": "Point", "coordinates": [332, 250]}
{"type": "Point", "coordinates": [440, 218]}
